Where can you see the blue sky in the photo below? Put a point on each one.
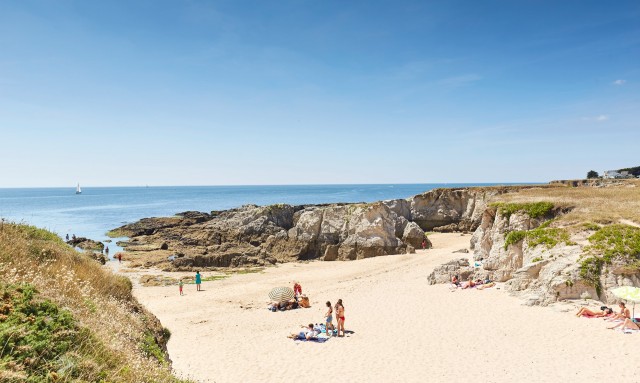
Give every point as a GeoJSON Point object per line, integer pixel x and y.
{"type": "Point", "coordinates": [297, 92]}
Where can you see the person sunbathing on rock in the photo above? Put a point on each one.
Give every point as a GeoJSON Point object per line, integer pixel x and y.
{"type": "Point", "coordinates": [604, 312]}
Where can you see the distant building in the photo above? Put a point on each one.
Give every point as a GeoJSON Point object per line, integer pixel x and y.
{"type": "Point", "coordinates": [611, 174]}
{"type": "Point", "coordinates": [616, 174]}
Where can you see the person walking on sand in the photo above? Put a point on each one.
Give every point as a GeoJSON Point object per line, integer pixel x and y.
{"type": "Point", "coordinates": [198, 281]}
{"type": "Point", "coordinates": [180, 285]}
{"type": "Point", "coordinates": [329, 319]}
{"type": "Point", "coordinates": [340, 316]}
{"type": "Point", "coordinates": [106, 250]}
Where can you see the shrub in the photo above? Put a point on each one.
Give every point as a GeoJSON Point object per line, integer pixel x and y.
{"type": "Point", "coordinates": [514, 237]}
{"type": "Point", "coordinates": [532, 209]}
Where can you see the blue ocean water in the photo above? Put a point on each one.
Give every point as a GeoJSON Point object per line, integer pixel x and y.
{"type": "Point", "coordinates": [98, 210]}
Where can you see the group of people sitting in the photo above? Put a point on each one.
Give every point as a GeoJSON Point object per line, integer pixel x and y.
{"type": "Point", "coordinates": [623, 317]}
{"type": "Point", "coordinates": [299, 300]}
{"type": "Point", "coordinates": [478, 283]}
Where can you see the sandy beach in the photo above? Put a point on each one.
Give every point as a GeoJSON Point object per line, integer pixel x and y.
{"type": "Point", "coordinates": [403, 329]}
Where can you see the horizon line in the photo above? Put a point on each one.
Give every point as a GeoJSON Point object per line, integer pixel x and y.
{"type": "Point", "coordinates": [302, 184]}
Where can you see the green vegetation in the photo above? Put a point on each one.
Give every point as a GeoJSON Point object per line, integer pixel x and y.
{"type": "Point", "coordinates": [543, 235]}
{"type": "Point", "coordinates": [635, 170]}
{"type": "Point", "coordinates": [549, 237]}
{"type": "Point", "coordinates": [65, 318]}
{"type": "Point", "coordinates": [514, 237]}
{"type": "Point", "coordinates": [616, 242]}
{"type": "Point", "coordinates": [536, 259]}
{"type": "Point", "coordinates": [590, 270]}
{"type": "Point", "coordinates": [620, 243]}
{"type": "Point", "coordinates": [593, 174]}
{"type": "Point", "coordinates": [532, 209]}
{"type": "Point", "coordinates": [591, 226]}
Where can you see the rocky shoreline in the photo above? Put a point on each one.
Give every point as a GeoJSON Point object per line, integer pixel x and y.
{"type": "Point", "coordinates": [261, 235]}
{"type": "Point", "coordinates": [533, 251]}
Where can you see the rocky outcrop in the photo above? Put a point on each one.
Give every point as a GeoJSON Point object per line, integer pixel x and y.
{"type": "Point", "coordinates": [260, 235]}
{"type": "Point", "coordinates": [455, 209]}
{"type": "Point", "coordinates": [86, 244]}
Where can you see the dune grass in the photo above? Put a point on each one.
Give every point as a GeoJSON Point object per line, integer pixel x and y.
{"type": "Point", "coordinates": [65, 318]}
{"type": "Point", "coordinates": [596, 205]}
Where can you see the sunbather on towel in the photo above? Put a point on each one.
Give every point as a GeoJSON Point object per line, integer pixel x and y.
{"type": "Point", "coordinates": [631, 324]}
{"type": "Point", "coordinates": [470, 283]}
{"type": "Point", "coordinates": [604, 312]}
{"type": "Point", "coordinates": [308, 333]}
{"type": "Point", "coordinates": [624, 313]}
{"type": "Point", "coordinates": [486, 285]}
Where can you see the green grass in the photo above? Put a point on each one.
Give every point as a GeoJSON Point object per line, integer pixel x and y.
{"type": "Point", "coordinates": [614, 243]}
{"type": "Point", "coordinates": [543, 235]}
{"type": "Point", "coordinates": [536, 259]}
{"type": "Point", "coordinates": [151, 349]}
{"type": "Point", "coordinates": [591, 226]}
{"type": "Point", "coordinates": [35, 334]}
{"type": "Point", "coordinates": [532, 209]}
{"type": "Point", "coordinates": [514, 237]}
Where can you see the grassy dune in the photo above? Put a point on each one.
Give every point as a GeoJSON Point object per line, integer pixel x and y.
{"type": "Point", "coordinates": [64, 318]}
{"type": "Point", "coordinates": [602, 205]}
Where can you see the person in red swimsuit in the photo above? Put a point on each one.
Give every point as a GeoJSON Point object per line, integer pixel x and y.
{"type": "Point", "coordinates": [297, 289]}
{"type": "Point", "coordinates": [340, 316]}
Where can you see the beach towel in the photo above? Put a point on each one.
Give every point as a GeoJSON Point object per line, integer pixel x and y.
{"type": "Point", "coordinates": [316, 340]}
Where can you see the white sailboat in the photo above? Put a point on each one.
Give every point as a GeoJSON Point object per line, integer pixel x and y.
{"type": "Point", "coordinates": [78, 190]}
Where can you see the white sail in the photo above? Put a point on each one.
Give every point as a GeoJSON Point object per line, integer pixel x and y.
{"type": "Point", "coordinates": [78, 190]}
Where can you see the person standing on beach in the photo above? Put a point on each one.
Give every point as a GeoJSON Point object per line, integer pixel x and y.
{"type": "Point", "coordinates": [329, 319]}
{"type": "Point", "coordinates": [424, 244]}
{"type": "Point", "coordinates": [198, 281]}
{"type": "Point", "coordinates": [119, 257]}
{"type": "Point", "coordinates": [106, 250]}
{"type": "Point", "coordinates": [180, 284]}
{"type": "Point", "coordinates": [340, 316]}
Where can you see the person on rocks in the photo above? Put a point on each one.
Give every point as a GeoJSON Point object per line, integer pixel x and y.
{"type": "Point", "coordinates": [198, 281]}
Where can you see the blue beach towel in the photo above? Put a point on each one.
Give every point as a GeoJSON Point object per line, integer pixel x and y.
{"type": "Point", "coordinates": [316, 340]}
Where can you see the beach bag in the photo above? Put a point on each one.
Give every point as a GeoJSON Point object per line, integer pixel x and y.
{"type": "Point", "coordinates": [304, 302]}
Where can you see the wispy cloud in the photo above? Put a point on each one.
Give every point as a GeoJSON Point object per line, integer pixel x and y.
{"type": "Point", "coordinates": [460, 80]}
{"type": "Point", "coordinates": [619, 82]}
{"type": "Point", "coordinates": [599, 118]}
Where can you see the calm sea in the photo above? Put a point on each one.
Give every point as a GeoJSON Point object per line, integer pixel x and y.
{"type": "Point", "coordinates": [97, 210]}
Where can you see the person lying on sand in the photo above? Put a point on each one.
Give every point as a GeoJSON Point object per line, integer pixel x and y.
{"type": "Point", "coordinates": [622, 315]}
{"type": "Point", "coordinates": [486, 285]}
{"type": "Point", "coordinates": [604, 312]}
{"type": "Point", "coordinates": [631, 324]}
{"type": "Point", "coordinates": [469, 284]}
{"type": "Point", "coordinates": [308, 333]}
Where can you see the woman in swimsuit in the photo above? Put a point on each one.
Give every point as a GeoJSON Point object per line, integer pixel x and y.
{"type": "Point", "coordinates": [340, 316]}
{"type": "Point", "coordinates": [329, 319]}
{"type": "Point", "coordinates": [604, 311]}
{"type": "Point", "coordinates": [624, 313]}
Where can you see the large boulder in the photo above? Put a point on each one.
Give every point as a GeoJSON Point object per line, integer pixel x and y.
{"type": "Point", "coordinates": [413, 235]}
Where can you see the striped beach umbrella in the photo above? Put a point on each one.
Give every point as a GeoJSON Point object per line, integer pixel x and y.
{"type": "Point", "coordinates": [628, 293]}
{"type": "Point", "coordinates": [281, 294]}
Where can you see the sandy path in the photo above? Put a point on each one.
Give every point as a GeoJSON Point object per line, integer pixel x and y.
{"type": "Point", "coordinates": [405, 330]}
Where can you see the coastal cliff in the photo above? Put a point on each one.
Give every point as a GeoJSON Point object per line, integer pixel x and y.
{"type": "Point", "coordinates": [557, 243]}
{"type": "Point", "coordinates": [261, 235]}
